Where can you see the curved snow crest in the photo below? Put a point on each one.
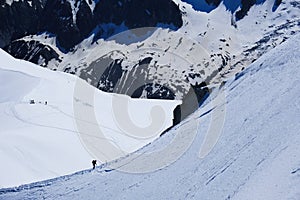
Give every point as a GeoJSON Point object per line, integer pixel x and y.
{"type": "Point", "coordinates": [40, 123]}
{"type": "Point", "coordinates": [259, 146]}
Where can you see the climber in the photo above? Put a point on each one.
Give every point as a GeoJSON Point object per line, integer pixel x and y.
{"type": "Point", "coordinates": [94, 162]}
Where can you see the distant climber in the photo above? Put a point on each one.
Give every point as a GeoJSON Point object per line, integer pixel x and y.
{"type": "Point", "coordinates": [46, 102]}
{"type": "Point", "coordinates": [94, 162]}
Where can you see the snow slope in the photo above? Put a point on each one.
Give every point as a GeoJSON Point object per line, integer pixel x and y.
{"type": "Point", "coordinates": [256, 157]}
{"type": "Point", "coordinates": [45, 140]}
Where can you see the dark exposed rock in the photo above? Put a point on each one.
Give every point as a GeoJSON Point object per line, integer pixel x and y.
{"type": "Point", "coordinates": [138, 13]}
{"type": "Point", "coordinates": [110, 76]}
{"type": "Point", "coordinates": [191, 102]}
{"type": "Point", "coordinates": [277, 2]}
{"type": "Point", "coordinates": [18, 20]}
{"type": "Point", "coordinates": [22, 18]}
{"type": "Point", "coordinates": [32, 51]}
{"type": "Point", "coordinates": [57, 18]}
{"type": "Point", "coordinates": [246, 5]}
{"type": "Point", "coordinates": [84, 19]}
{"type": "Point", "coordinates": [201, 92]}
{"type": "Point", "coordinates": [154, 91]}
{"type": "Point", "coordinates": [213, 2]}
{"type": "Point", "coordinates": [145, 61]}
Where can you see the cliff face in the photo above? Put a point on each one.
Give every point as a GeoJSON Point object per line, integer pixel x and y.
{"type": "Point", "coordinates": [18, 19]}
{"type": "Point", "coordinates": [71, 21]}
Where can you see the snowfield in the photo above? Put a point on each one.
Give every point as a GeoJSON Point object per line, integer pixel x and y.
{"type": "Point", "coordinates": [256, 157]}
{"type": "Point", "coordinates": [50, 138]}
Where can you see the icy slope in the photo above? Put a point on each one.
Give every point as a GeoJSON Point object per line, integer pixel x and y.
{"type": "Point", "coordinates": [46, 139]}
{"type": "Point", "coordinates": [256, 157]}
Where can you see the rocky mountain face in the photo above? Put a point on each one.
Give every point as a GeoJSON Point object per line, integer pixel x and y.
{"type": "Point", "coordinates": [33, 51]}
{"type": "Point", "coordinates": [71, 21]}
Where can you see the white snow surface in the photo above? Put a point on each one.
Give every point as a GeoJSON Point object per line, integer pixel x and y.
{"type": "Point", "coordinates": [42, 141]}
{"type": "Point", "coordinates": [256, 157]}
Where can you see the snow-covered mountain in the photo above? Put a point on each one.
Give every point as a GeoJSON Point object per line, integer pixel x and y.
{"type": "Point", "coordinates": [188, 52]}
{"type": "Point", "coordinates": [53, 123]}
{"type": "Point", "coordinates": [175, 45]}
{"type": "Point", "coordinates": [256, 156]}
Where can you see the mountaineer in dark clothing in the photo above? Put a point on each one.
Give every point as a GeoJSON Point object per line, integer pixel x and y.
{"type": "Point", "coordinates": [94, 162]}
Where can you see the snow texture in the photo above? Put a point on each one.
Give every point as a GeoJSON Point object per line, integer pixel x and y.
{"type": "Point", "coordinates": [40, 122]}
{"type": "Point", "coordinates": [256, 157]}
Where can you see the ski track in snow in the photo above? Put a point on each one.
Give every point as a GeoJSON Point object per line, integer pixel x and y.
{"type": "Point", "coordinates": [256, 157]}
{"type": "Point", "coordinates": [40, 140]}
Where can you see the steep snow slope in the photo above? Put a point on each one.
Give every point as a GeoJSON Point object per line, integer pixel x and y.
{"type": "Point", "coordinates": [52, 137]}
{"type": "Point", "coordinates": [256, 157]}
